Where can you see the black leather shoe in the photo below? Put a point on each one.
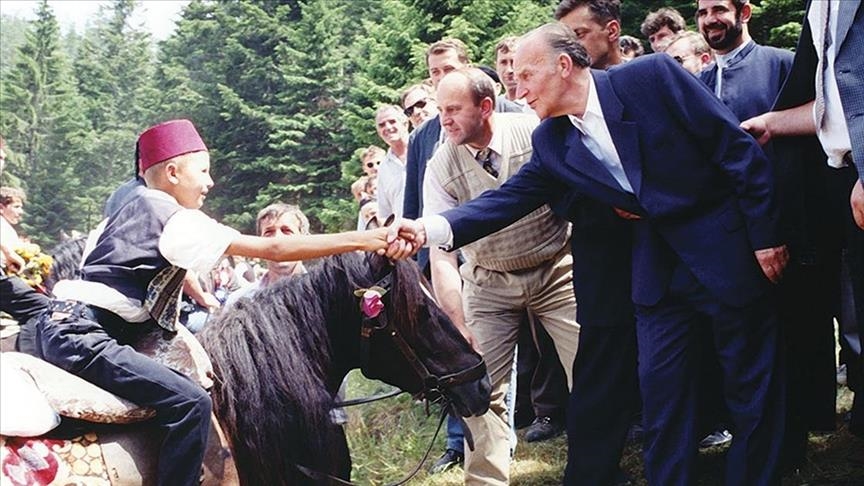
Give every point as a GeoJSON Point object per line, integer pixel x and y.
{"type": "Point", "coordinates": [447, 460]}
{"type": "Point", "coordinates": [543, 428]}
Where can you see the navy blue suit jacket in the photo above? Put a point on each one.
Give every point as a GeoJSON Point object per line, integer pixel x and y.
{"type": "Point", "coordinates": [704, 188]}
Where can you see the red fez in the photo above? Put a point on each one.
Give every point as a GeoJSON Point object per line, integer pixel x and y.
{"type": "Point", "coordinates": [166, 141]}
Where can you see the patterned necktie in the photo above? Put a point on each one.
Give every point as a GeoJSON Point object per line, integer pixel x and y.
{"type": "Point", "coordinates": [825, 26]}
{"type": "Point", "coordinates": [484, 157]}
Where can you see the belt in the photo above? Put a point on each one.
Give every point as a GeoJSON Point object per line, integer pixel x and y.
{"type": "Point", "coordinates": [847, 159]}
{"type": "Point", "coordinates": [64, 309]}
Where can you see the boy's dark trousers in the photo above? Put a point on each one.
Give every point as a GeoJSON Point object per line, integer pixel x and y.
{"type": "Point", "coordinates": [92, 343]}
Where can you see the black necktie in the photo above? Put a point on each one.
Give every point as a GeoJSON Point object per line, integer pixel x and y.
{"type": "Point", "coordinates": [484, 157]}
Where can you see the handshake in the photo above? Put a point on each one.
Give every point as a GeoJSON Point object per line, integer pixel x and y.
{"type": "Point", "coordinates": [404, 238]}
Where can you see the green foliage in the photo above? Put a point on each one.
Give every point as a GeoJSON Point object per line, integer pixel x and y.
{"type": "Point", "coordinates": [777, 22]}
{"type": "Point", "coordinates": [43, 122]}
{"type": "Point", "coordinates": [14, 34]}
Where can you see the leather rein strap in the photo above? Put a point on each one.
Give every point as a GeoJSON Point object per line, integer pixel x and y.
{"type": "Point", "coordinates": [431, 384]}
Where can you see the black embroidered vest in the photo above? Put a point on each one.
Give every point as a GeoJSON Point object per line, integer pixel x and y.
{"type": "Point", "coordinates": [127, 258]}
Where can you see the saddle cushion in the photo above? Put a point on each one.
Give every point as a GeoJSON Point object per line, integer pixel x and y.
{"type": "Point", "coordinates": [74, 397]}
{"type": "Point", "coordinates": [24, 410]}
{"type": "Point", "coordinates": [71, 396]}
{"type": "Point", "coordinates": [179, 351]}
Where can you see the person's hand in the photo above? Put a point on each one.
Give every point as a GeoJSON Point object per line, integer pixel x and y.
{"type": "Point", "coordinates": [857, 202]}
{"type": "Point", "coordinates": [626, 214]}
{"type": "Point", "coordinates": [773, 261]}
{"type": "Point", "coordinates": [376, 239]}
{"type": "Point", "coordinates": [469, 336]}
{"type": "Point", "coordinates": [209, 301]}
{"type": "Point", "coordinates": [405, 238]}
{"type": "Point", "coordinates": [14, 262]}
{"type": "Point", "coordinates": [758, 128]}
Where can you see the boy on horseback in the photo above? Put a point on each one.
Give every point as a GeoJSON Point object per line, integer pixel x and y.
{"type": "Point", "coordinates": [131, 283]}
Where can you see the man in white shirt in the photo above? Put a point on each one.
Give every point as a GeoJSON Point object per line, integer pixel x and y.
{"type": "Point", "coordinates": [392, 126]}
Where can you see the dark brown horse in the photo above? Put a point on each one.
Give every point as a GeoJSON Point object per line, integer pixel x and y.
{"type": "Point", "coordinates": [280, 356]}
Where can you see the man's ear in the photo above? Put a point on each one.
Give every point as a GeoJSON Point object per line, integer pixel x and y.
{"type": "Point", "coordinates": [565, 63]}
{"type": "Point", "coordinates": [746, 13]}
{"type": "Point", "coordinates": [614, 28]}
{"type": "Point", "coordinates": [487, 106]}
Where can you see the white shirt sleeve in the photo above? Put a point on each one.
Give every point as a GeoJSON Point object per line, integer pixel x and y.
{"type": "Point", "coordinates": [435, 199]}
{"type": "Point", "coordinates": [438, 231]}
{"type": "Point", "coordinates": [194, 241]}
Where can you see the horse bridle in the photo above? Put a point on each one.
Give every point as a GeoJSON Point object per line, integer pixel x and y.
{"type": "Point", "coordinates": [433, 384]}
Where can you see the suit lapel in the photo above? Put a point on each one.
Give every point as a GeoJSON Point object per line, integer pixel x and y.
{"type": "Point", "coordinates": [580, 158]}
{"type": "Point", "coordinates": [845, 17]}
{"type": "Point", "coordinates": [625, 135]}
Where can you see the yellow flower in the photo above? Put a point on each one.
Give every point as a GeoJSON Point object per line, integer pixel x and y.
{"type": "Point", "coordinates": [37, 265]}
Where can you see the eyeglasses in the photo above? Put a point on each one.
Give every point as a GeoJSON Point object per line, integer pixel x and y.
{"type": "Point", "coordinates": [374, 163]}
{"type": "Point", "coordinates": [416, 106]}
{"type": "Point", "coordinates": [680, 59]}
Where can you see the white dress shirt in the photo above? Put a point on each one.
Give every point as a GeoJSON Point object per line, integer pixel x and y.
{"type": "Point", "coordinates": [723, 60]}
{"type": "Point", "coordinates": [435, 199]}
{"type": "Point", "coordinates": [833, 134]}
{"type": "Point", "coordinates": [391, 186]}
{"type": "Point", "coordinates": [597, 139]}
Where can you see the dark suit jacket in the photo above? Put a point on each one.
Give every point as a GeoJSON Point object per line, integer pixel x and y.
{"type": "Point", "coordinates": [849, 70]}
{"type": "Point", "coordinates": [703, 186]}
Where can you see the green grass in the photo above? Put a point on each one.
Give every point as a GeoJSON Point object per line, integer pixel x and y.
{"type": "Point", "coordinates": [388, 438]}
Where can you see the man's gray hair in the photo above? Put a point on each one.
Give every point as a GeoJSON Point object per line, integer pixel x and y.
{"type": "Point", "coordinates": [562, 40]}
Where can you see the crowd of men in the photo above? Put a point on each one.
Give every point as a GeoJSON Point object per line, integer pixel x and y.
{"type": "Point", "coordinates": [652, 242]}
{"type": "Point", "coordinates": [711, 248]}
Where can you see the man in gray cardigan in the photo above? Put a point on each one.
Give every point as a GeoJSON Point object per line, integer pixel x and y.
{"type": "Point", "coordinates": [526, 266]}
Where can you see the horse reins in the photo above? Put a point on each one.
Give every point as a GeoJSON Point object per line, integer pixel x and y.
{"type": "Point", "coordinates": [431, 384]}
{"type": "Point", "coordinates": [311, 473]}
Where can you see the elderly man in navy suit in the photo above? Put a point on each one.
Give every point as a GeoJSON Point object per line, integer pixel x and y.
{"type": "Point", "coordinates": [650, 140]}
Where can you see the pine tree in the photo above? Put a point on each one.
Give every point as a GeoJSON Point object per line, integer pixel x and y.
{"type": "Point", "coordinates": [114, 69]}
{"type": "Point", "coordinates": [44, 123]}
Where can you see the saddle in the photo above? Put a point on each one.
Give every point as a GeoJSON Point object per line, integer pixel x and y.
{"type": "Point", "coordinates": [73, 397]}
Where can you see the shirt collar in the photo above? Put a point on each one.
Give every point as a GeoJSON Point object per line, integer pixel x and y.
{"type": "Point", "coordinates": [496, 144]}
{"type": "Point", "coordinates": [593, 110]}
{"type": "Point", "coordinates": [724, 60]}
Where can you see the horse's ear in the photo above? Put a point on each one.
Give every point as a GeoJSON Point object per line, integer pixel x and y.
{"type": "Point", "coordinates": [372, 223]}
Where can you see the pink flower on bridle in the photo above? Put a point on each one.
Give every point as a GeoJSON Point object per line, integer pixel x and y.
{"type": "Point", "coordinates": [370, 301]}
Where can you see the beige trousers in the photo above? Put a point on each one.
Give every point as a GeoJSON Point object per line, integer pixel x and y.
{"type": "Point", "coordinates": [494, 304]}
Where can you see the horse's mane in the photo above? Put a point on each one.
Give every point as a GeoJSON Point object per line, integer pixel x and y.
{"type": "Point", "coordinates": [67, 261]}
{"type": "Point", "coordinates": [272, 355]}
